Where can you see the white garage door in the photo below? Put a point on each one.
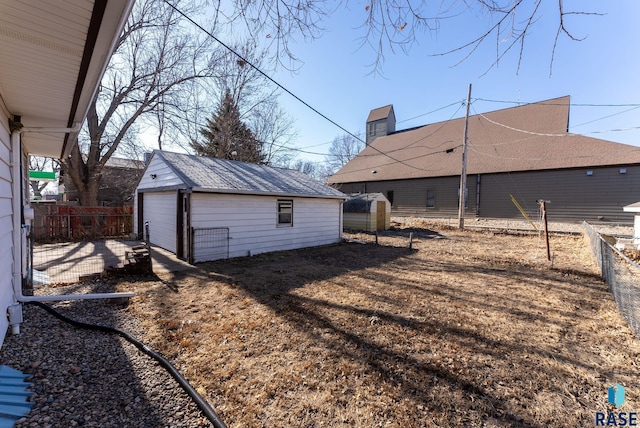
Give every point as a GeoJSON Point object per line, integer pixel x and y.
{"type": "Point", "coordinates": [160, 210]}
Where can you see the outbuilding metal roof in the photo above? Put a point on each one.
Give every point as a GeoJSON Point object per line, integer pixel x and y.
{"type": "Point", "coordinates": [226, 176]}
{"type": "Point", "coordinates": [524, 138]}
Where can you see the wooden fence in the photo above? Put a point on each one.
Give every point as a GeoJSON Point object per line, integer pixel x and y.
{"type": "Point", "coordinates": [55, 223]}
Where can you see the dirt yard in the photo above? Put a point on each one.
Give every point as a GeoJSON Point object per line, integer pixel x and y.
{"type": "Point", "coordinates": [466, 329]}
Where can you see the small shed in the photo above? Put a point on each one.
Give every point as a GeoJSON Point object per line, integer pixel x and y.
{"type": "Point", "coordinates": [635, 209]}
{"type": "Point", "coordinates": [367, 211]}
{"type": "Point", "coordinates": [205, 209]}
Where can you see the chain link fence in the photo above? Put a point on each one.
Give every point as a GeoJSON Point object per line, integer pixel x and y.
{"type": "Point", "coordinates": [68, 244]}
{"type": "Point", "coordinates": [621, 274]}
{"type": "Point", "coordinates": [209, 243]}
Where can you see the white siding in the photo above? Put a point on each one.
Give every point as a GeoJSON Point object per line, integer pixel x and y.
{"type": "Point", "coordinates": [7, 248]}
{"type": "Point", "coordinates": [164, 176]}
{"type": "Point", "coordinates": [160, 210]}
{"type": "Point", "coordinates": [252, 221]}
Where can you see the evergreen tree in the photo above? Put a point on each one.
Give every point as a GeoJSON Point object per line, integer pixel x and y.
{"type": "Point", "coordinates": [227, 137]}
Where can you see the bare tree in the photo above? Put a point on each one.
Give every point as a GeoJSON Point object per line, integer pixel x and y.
{"type": "Point", "coordinates": [511, 25]}
{"type": "Point", "coordinates": [275, 129]}
{"type": "Point", "coordinates": [156, 60]}
{"type": "Point", "coordinates": [342, 150]}
{"type": "Point", "coordinates": [37, 163]}
{"type": "Point", "coordinates": [244, 77]}
{"type": "Point", "coordinates": [317, 170]}
{"type": "Point", "coordinates": [387, 26]}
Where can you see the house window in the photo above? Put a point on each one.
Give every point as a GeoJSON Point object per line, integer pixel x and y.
{"type": "Point", "coordinates": [431, 199]}
{"type": "Point", "coordinates": [285, 213]}
{"type": "Point", "coordinates": [390, 196]}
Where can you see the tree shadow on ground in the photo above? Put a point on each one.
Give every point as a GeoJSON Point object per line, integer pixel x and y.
{"type": "Point", "coordinates": [273, 280]}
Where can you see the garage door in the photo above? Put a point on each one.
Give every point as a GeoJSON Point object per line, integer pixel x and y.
{"type": "Point", "coordinates": [160, 210]}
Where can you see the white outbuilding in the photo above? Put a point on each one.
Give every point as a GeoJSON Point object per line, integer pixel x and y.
{"type": "Point", "coordinates": [204, 209]}
{"type": "Point", "coordinates": [635, 209]}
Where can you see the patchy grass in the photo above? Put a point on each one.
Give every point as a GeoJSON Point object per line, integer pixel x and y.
{"type": "Point", "coordinates": [465, 329]}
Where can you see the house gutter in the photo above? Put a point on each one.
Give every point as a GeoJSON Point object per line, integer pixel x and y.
{"type": "Point", "coordinates": [15, 311]}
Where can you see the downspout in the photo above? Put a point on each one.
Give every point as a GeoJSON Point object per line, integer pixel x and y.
{"type": "Point", "coordinates": [478, 195]}
{"type": "Point", "coordinates": [16, 172]}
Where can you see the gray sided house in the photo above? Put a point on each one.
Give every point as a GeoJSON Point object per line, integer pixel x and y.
{"type": "Point", "coordinates": [517, 155]}
{"type": "Point", "coordinates": [119, 179]}
{"type": "Point", "coordinates": [367, 211]}
{"type": "Point", "coordinates": [205, 209]}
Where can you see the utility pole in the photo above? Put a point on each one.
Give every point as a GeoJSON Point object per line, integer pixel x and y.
{"type": "Point", "coordinates": [463, 175]}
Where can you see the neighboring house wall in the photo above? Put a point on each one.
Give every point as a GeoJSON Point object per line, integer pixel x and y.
{"type": "Point", "coordinates": [252, 221]}
{"type": "Point", "coordinates": [410, 196]}
{"type": "Point", "coordinates": [573, 195]}
{"type": "Point", "coordinates": [6, 225]}
{"type": "Point", "coordinates": [117, 186]}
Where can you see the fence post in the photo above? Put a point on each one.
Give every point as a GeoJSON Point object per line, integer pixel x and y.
{"type": "Point", "coordinates": [192, 245]}
{"type": "Point", "coordinates": [147, 242]}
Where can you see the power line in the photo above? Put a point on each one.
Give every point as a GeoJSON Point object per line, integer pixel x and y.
{"type": "Point", "coordinates": [614, 130]}
{"type": "Point", "coordinates": [230, 49]}
{"type": "Point", "coordinates": [245, 60]}
{"type": "Point", "coordinates": [564, 134]}
{"type": "Point", "coordinates": [557, 104]}
{"type": "Point", "coordinates": [606, 117]}
{"type": "Point", "coordinates": [520, 130]}
{"type": "Point", "coordinates": [431, 112]}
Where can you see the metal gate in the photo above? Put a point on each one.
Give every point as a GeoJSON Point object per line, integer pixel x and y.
{"type": "Point", "coordinates": [209, 243]}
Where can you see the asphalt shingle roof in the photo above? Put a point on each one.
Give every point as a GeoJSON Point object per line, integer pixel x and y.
{"type": "Point", "coordinates": [524, 138]}
{"type": "Point", "coordinates": [379, 113]}
{"type": "Point", "coordinates": [219, 175]}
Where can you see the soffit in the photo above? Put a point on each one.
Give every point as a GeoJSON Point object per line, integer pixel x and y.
{"type": "Point", "coordinates": [43, 77]}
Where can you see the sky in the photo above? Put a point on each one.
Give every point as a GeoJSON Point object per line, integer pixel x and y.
{"type": "Point", "coordinates": [600, 73]}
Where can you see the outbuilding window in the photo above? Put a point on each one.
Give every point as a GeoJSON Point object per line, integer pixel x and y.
{"type": "Point", "coordinates": [285, 212]}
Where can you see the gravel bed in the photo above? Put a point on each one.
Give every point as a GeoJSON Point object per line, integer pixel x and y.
{"type": "Point", "coordinates": [86, 378]}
